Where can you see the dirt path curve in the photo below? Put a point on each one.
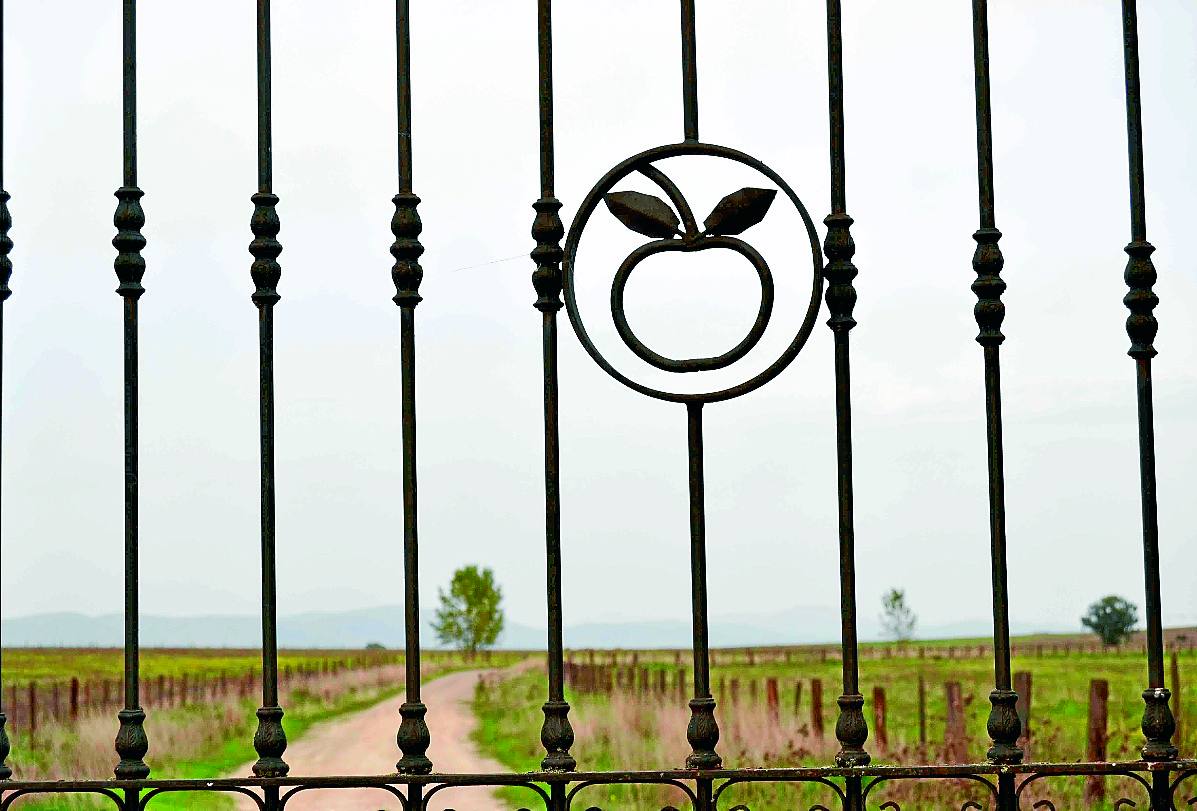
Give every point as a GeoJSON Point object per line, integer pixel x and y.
{"type": "Point", "coordinates": [364, 743]}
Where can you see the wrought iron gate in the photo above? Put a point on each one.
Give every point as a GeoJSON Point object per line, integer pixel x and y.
{"type": "Point", "coordinates": [851, 782]}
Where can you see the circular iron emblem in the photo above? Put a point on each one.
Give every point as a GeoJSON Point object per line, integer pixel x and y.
{"type": "Point", "coordinates": [673, 228]}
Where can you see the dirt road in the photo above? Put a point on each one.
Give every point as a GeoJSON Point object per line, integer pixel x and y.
{"type": "Point", "coordinates": [364, 743]}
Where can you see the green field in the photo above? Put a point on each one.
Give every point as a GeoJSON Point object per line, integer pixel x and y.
{"type": "Point", "coordinates": [22, 665]}
{"type": "Point", "coordinates": [630, 729]}
{"type": "Point", "coordinates": [209, 738]}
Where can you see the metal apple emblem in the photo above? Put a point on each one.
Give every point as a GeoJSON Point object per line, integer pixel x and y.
{"type": "Point", "coordinates": [653, 217]}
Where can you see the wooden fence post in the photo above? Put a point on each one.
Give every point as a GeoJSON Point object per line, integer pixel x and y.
{"type": "Point", "coordinates": [32, 710]}
{"type": "Point", "coordinates": [74, 699]}
{"type": "Point", "coordinates": [797, 696]}
{"type": "Point", "coordinates": [816, 708]}
{"type": "Point", "coordinates": [773, 701]}
{"type": "Point", "coordinates": [955, 746]}
{"type": "Point", "coordinates": [1177, 712]}
{"type": "Point", "coordinates": [1099, 699]}
{"type": "Point", "coordinates": [753, 692]}
{"type": "Point", "coordinates": [1022, 686]}
{"type": "Point", "coordinates": [55, 709]}
{"type": "Point", "coordinates": [735, 692]}
{"type": "Point", "coordinates": [922, 713]}
{"type": "Point", "coordinates": [880, 733]}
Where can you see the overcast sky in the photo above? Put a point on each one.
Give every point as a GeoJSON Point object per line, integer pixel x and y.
{"type": "Point", "coordinates": [1069, 390]}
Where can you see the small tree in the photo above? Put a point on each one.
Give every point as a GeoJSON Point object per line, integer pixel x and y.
{"type": "Point", "coordinates": [897, 618]}
{"type": "Point", "coordinates": [1112, 618]}
{"type": "Point", "coordinates": [470, 616]}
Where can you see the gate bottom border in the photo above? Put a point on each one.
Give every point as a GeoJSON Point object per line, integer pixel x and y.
{"type": "Point", "coordinates": [702, 788]}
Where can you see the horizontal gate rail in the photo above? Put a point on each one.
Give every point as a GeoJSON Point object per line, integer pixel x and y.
{"type": "Point", "coordinates": [1162, 780]}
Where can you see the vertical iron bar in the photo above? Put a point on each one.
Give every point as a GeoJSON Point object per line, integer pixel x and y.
{"type": "Point", "coordinates": [413, 737]}
{"type": "Point", "coordinates": [703, 730]}
{"type": "Point", "coordinates": [270, 739]}
{"type": "Point", "coordinates": [1134, 121]}
{"type": "Point", "coordinates": [689, 71]}
{"type": "Point", "coordinates": [835, 104]}
{"type": "Point", "coordinates": [556, 734]}
{"type": "Point", "coordinates": [1003, 725]}
{"type": "Point", "coordinates": [131, 741]}
{"type": "Point", "coordinates": [5, 292]}
{"type": "Point", "coordinates": [1158, 722]}
{"type": "Point", "coordinates": [851, 729]}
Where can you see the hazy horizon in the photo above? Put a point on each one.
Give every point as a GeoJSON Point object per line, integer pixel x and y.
{"type": "Point", "coordinates": [385, 624]}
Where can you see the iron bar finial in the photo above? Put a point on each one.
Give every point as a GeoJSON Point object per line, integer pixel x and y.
{"type": "Point", "coordinates": [270, 739]}
{"type": "Point", "coordinates": [1159, 724]}
{"type": "Point", "coordinates": [556, 734]}
{"type": "Point", "coordinates": [131, 741]}
{"type": "Point", "coordinates": [413, 736]}
{"type": "Point", "coordinates": [1003, 725]}
{"type": "Point", "coordinates": [851, 728]}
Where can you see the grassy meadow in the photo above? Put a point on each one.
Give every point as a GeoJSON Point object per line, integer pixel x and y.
{"type": "Point", "coordinates": [212, 736]}
{"type": "Point", "coordinates": [630, 728]}
{"type": "Point", "coordinates": [635, 725]}
{"type": "Point", "coordinates": [22, 665]}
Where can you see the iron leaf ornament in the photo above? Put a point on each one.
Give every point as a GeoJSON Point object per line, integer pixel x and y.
{"type": "Point", "coordinates": [653, 217]}
{"type": "Point", "coordinates": [739, 211]}
{"type": "Point", "coordinates": [644, 213]}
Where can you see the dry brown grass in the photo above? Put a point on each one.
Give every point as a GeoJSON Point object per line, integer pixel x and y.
{"type": "Point", "coordinates": [186, 737]}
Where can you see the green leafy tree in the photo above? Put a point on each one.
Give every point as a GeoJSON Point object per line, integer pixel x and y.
{"type": "Point", "coordinates": [470, 615]}
{"type": "Point", "coordinates": [1112, 618]}
{"type": "Point", "coordinates": [898, 620]}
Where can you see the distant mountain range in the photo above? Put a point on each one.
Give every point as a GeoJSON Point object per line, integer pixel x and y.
{"type": "Point", "coordinates": [384, 625]}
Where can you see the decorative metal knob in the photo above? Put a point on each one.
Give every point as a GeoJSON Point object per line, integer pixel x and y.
{"type": "Point", "coordinates": [406, 272]}
{"type": "Point", "coordinates": [989, 310]}
{"type": "Point", "coordinates": [265, 249]}
{"type": "Point", "coordinates": [1141, 300]}
{"type": "Point", "coordinates": [129, 242]}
